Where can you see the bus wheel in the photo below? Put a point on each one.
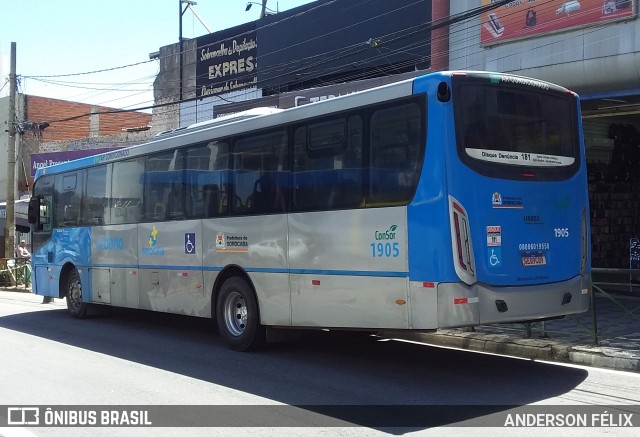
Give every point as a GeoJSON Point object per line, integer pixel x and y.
{"type": "Point", "coordinates": [73, 290]}
{"type": "Point", "coordinates": [237, 316]}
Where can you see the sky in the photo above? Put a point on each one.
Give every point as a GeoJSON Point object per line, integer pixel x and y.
{"type": "Point", "coordinates": [67, 37]}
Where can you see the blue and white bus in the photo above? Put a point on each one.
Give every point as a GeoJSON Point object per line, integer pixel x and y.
{"type": "Point", "coordinates": [452, 199]}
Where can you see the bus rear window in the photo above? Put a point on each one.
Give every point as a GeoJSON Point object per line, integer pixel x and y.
{"type": "Point", "coordinates": [502, 126]}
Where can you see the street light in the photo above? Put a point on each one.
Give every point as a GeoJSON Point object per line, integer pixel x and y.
{"type": "Point", "coordinates": [182, 11]}
{"type": "Point", "coordinates": [190, 4]}
{"type": "Point", "coordinates": [265, 9]}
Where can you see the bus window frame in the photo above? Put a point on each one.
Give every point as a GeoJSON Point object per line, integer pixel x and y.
{"type": "Point", "coordinates": [507, 171]}
{"type": "Point", "coordinates": [361, 116]}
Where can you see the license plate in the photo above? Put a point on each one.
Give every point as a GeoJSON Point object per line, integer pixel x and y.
{"type": "Point", "coordinates": [534, 259]}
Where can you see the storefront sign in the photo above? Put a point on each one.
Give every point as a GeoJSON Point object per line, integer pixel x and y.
{"type": "Point", "coordinates": [226, 61]}
{"type": "Point", "coordinates": [526, 18]}
{"type": "Point", "coordinates": [39, 160]}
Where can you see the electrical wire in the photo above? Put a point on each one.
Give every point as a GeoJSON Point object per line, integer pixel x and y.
{"type": "Point", "coordinates": [290, 68]}
{"type": "Point", "coordinates": [474, 12]}
{"type": "Point", "coordinates": [6, 82]}
{"type": "Point", "coordinates": [89, 72]}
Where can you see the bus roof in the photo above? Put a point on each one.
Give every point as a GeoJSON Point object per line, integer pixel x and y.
{"type": "Point", "coordinates": [262, 118]}
{"type": "Point", "coordinates": [258, 118]}
{"type": "Point", "coordinates": [249, 113]}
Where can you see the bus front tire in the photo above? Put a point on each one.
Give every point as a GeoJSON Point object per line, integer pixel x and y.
{"type": "Point", "coordinates": [73, 290]}
{"type": "Point", "coordinates": [237, 316]}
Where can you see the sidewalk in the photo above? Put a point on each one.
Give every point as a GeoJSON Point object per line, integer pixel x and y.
{"type": "Point", "coordinates": [19, 289]}
{"type": "Point", "coordinates": [567, 340]}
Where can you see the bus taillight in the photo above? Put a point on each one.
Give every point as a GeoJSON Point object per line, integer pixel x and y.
{"type": "Point", "coordinates": [463, 259]}
{"type": "Point", "coordinates": [459, 239]}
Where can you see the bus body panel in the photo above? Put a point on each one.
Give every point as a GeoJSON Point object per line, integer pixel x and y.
{"type": "Point", "coordinates": [42, 259]}
{"type": "Point", "coordinates": [170, 267]}
{"type": "Point", "coordinates": [258, 245]}
{"type": "Point", "coordinates": [124, 290]}
{"type": "Point", "coordinates": [525, 242]}
{"type": "Point", "coordinates": [528, 238]}
{"type": "Point", "coordinates": [527, 303]}
{"type": "Point", "coordinates": [272, 290]}
{"type": "Point", "coordinates": [531, 227]}
{"type": "Point", "coordinates": [427, 214]}
{"type": "Point", "coordinates": [349, 279]}
{"type": "Point", "coordinates": [345, 301]}
{"type": "Point", "coordinates": [43, 281]}
{"type": "Point", "coordinates": [423, 302]}
{"type": "Point", "coordinates": [67, 246]}
{"type": "Point", "coordinates": [100, 284]}
{"type": "Point", "coordinates": [529, 220]}
{"type": "Point", "coordinates": [462, 305]}
{"type": "Point", "coordinates": [113, 265]}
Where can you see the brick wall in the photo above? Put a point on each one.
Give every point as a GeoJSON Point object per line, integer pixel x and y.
{"type": "Point", "coordinates": [41, 109]}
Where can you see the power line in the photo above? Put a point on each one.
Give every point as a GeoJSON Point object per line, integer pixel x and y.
{"type": "Point", "coordinates": [466, 15]}
{"type": "Point", "coordinates": [68, 85]}
{"type": "Point", "coordinates": [89, 72]}
{"type": "Point", "coordinates": [332, 56]}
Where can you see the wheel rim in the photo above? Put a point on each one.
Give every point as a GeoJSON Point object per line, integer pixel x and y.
{"type": "Point", "coordinates": [74, 295]}
{"type": "Point", "coordinates": [235, 314]}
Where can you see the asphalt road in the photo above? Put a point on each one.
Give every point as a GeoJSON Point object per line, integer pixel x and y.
{"type": "Point", "coordinates": [121, 357]}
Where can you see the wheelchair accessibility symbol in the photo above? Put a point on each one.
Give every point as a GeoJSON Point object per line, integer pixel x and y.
{"type": "Point", "coordinates": [190, 243]}
{"type": "Point", "coordinates": [495, 256]}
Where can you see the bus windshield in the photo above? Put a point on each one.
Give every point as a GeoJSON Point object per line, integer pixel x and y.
{"type": "Point", "coordinates": [506, 125]}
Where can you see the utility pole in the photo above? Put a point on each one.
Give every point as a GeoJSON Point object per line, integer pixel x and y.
{"type": "Point", "coordinates": [10, 221]}
{"type": "Point", "coordinates": [181, 46]}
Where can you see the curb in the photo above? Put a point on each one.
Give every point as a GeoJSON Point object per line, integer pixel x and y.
{"type": "Point", "coordinates": [529, 348]}
{"type": "Point", "coordinates": [608, 357]}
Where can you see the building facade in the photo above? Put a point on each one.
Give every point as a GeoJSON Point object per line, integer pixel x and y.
{"type": "Point", "coordinates": [322, 43]}
{"type": "Point", "coordinates": [53, 130]}
{"type": "Point", "coordinates": [593, 48]}
{"type": "Point", "coordinates": [45, 125]}
{"type": "Point", "coordinates": [328, 47]}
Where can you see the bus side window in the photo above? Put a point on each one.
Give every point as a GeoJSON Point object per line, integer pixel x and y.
{"type": "Point", "coordinates": [395, 152]}
{"type": "Point", "coordinates": [265, 188]}
{"type": "Point", "coordinates": [45, 190]}
{"type": "Point", "coordinates": [303, 183]}
{"type": "Point", "coordinates": [347, 192]}
{"type": "Point", "coordinates": [126, 191]}
{"type": "Point", "coordinates": [328, 164]}
{"type": "Point", "coordinates": [175, 206]}
{"type": "Point", "coordinates": [71, 210]}
{"type": "Point", "coordinates": [95, 196]}
{"type": "Point", "coordinates": [164, 186]}
{"type": "Point", "coordinates": [198, 175]}
{"type": "Point", "coordinates": [68, 199]}
{"type": "Point", "coordinates": [211, 200]}
{"type": "Point", "coordinates": [44, 223]}
{"type": "Point", "coordinates": [260, 173]}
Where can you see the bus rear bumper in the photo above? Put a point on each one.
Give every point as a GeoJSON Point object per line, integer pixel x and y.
{"type": "Point", "coordinates": [463, 305]}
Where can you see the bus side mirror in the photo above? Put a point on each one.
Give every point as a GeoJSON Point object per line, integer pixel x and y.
{"type": "Point", "coordinates": [34, 209]}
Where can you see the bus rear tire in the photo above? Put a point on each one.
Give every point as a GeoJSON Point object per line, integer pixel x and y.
{"type": "Point", "coordinates": [73, 291]}
{"type": "Point", "coordinates": [238, 317]}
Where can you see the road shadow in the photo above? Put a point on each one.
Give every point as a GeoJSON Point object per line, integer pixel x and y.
{"type": "Point", "coordinates": [351, 378]}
